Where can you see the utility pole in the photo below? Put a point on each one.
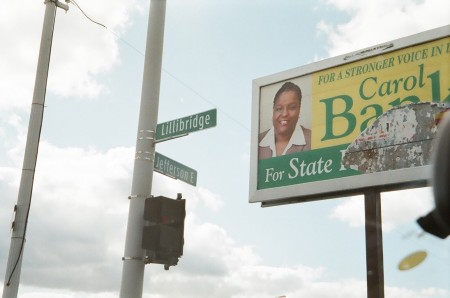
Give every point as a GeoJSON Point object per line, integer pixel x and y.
{"type": "Point", "coordinates": [133, 260]}
{"type": "Point", "coordinates": [22, 208]}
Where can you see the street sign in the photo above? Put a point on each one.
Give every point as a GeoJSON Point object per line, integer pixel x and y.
{"type": "Point", "coordinates": [185, 125]}
{"type": "Point", "coordinates": [173, 169]}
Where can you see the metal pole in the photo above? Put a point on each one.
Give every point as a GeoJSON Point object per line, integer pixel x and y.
{"type": "Point", "coordinates": [22, 208]}
{"type": "Point", "coordinates": [374, 244]}
{"type": "Point", "coordinates": [133, 260]}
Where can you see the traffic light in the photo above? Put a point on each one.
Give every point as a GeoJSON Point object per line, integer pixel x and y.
{"type": "Point", "coordinates": [437, 222]}
{"type": "Point", "coordinates": [163, 233]}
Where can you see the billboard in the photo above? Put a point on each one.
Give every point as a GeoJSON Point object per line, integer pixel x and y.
{"type": "Point", "coordinates": [337, 126]}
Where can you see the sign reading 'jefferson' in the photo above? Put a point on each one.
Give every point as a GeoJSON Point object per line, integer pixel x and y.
{"type": "Point", "coordinates": [185, 125]}
{"type": "Point", "coordinates": [174, 169]}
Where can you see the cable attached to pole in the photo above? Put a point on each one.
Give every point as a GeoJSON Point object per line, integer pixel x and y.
{"type": "Point", "coordinates": [82, 11]}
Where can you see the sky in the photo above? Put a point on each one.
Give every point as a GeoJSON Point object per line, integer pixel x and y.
{"type": "Point", "coordinates": [213, 50]}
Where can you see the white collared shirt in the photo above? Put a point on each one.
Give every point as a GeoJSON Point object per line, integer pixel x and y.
{"type": "Point", "coordinates": [297, 138]}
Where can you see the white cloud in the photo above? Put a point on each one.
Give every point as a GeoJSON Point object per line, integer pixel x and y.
{"type": "Point", "coordinates": [397, 208]}
{"type": "Point", "coordinates": [81, 50]}
{"type": "Point", "coordinates": [211, 200]}
{"type": "Point", "coordinates": [78, 218]}
{"type": "Point", "coordinates": [406, 206]}
{"type": "Point", "coordinates": [374, 22]}
{"type": "Point", "coordinates": [195, 196]}
{"type": "Point", "coordinates": [351, 211]}
{"type": "Point", "coordinates": [77, 228]}
{"type": "Point", "coordinates": [77, 231]}
{"type": "Point", "coordinates": [424, 293]}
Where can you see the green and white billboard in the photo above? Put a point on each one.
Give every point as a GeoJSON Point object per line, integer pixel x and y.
{"type": "Point", "coordinates": [321, 130]}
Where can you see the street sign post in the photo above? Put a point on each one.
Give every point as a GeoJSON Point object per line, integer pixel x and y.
{"type": "Point", "coordinates": [185, 125]}
{"type": "Point", "coordinates": [173, 169]}
{"type": "Point", "coordinates": [141, 188]}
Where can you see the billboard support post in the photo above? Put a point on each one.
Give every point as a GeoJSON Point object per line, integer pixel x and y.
{"type": "Point", "coordinates": [374, 244]}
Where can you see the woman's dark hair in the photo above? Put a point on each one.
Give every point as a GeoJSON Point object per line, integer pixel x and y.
{"type": "Point", "coordinates": [289, 86]}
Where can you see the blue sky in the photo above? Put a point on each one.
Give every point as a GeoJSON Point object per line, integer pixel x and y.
{"type": "Point", "coordinates": [212, 52]}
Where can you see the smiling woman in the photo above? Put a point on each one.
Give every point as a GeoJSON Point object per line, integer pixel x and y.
{"type": "Point", "coordinates": [286, 136]}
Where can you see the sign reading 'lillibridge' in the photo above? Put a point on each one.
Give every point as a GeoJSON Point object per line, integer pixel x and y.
{"type": "Point", "coordinates": [186, 125]}
{"type": "Point", "coordinates": [306, 121]}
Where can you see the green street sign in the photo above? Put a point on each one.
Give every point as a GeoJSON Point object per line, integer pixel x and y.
{"type": "Point", "coordinates": [185, 125]}
{"type": "Point", "coordinates": [173, 169]}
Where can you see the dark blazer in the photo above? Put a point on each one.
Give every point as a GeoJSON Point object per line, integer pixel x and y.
{"type": "Point", "coordinates": [266, 152]}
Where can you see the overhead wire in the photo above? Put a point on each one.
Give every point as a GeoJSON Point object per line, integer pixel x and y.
{"type": "Point", "coordinates": [82, 11]}
{"type": "Point", "coordinates": [139, 52]}
{"type": "Point", "coordinates": [167, 72]}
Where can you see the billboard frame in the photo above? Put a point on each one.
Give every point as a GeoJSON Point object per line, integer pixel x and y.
{"type": "Point", "coordinates": [383, 181]}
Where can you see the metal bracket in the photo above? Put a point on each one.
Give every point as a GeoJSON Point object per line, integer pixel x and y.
{"type": "Point", "coordinates": [137, 197]}
{"type": "Point", "coordinates": [132, 258]}
{"type": "Point", "coordinates": [145, 135]}
{"type": "Point", "coordinates": [171, 138]}
{"type": "Point", "coordinates": [144, 155]}
{"type": "Point", "coordinates": [59, 4]}
{"type": "Point", "coordinates": [147, 131]}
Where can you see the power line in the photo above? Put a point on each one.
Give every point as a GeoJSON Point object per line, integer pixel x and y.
{"type": "Point", "coordinates": [167, 72]}
{"type": "Point", "coordinates": [82, 11]}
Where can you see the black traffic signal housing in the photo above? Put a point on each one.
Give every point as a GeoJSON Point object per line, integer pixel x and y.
{"type": "Point", "coordinates": [163, 233]}
{"type": "Point", "coordinates": [437, 222]}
